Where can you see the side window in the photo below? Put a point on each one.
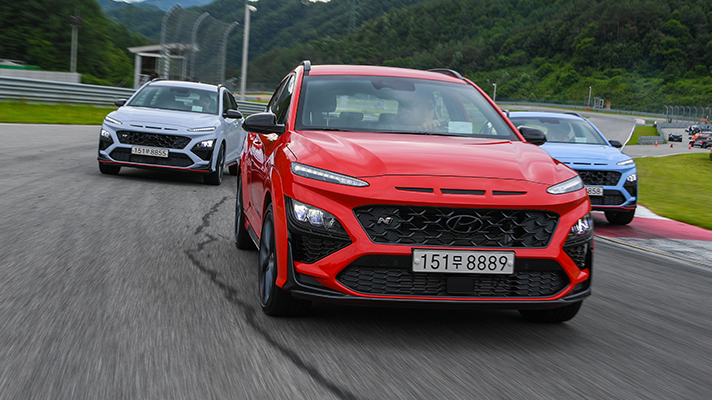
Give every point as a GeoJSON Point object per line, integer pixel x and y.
{"type": "Point", "coordinates": [226, 102]}
{"type": "Point", "coordinates": [233, 103]}
{"type": "Point", "coordinates": [279, 104]}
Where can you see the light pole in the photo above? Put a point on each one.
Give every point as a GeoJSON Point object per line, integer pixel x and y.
{"type": "Point", "coordinates": [589, 96]}
{"type": "Point", "coordinates": [245, 42]}
{"type": "Point", "coordinates": [494, 96]}
{"type": "Point", "coordinates": [75, 21]}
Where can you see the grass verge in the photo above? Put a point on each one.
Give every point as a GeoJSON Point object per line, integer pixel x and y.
{"type": "Point", "coordinates": [642, 131]}
{"type": "Point", "coordinates": [64, 114]}
{"type": "Point", "coordinates": [677, 187]}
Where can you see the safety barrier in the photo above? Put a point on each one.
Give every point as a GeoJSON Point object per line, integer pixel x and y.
{"type": "Point", "coordinates": [40, 91]}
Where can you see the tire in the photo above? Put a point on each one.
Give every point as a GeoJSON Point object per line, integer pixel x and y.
{"type": "Point", "coordinates": [216, 177]}
{"type": "Point", "coordinates": [552, 315]}
{"type": "Point", "coordinates": [273, 299]}
{"type": "Point", "coordinates": [232, 170]}
{"type": "Point", "coordinates": [242, 238]}
{"type": "Point", "coordinates": [109, 169]}
{"type": "Point", "coordinates": [619, 217]}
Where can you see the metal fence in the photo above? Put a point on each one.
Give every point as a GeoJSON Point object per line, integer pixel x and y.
{"type": "Point", "coordinates": [37, 91]}
{"type": "Point", "coordinates": [193, 46]}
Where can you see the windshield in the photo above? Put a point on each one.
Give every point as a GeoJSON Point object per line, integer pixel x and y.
{"type": "Point", "coordinates": [177, 98]}
{"type": "Point", "coordinates": [397, 105]}
{"type": "Point", "coordinates": [562, 130]}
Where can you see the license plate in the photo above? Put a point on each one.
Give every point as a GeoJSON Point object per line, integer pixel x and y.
{"type": "Point", "coordinates": [463, 261]}
{"type": "Point", "coordinates": [594, 190]}
{"type": "Point", "coordinates": [149, 151]}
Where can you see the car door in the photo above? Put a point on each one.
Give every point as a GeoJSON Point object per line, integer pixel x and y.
{"type": "Point", "coordinates": [261, 147]}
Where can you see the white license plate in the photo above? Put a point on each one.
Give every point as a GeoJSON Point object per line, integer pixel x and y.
{"type": "Point", "coordinates": [149, 151]}
{"type": "Point", "coordinates": [463, 261]}
{"type": "Point", "coordinates": [594, 190]}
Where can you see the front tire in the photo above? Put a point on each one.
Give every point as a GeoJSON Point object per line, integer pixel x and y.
{"type": "Point", "coordinates": [109, 169]}
{"type": "Point", "coordinates": [620, 217]}
{"type": "Point", "coordinates": [242, 237]}
{"type": "Point", "coordinates": [274, 300]}
{"type": "Point", "coordinates": [552, 315]}
{"type": "Point", "coordinates": [216, 177]}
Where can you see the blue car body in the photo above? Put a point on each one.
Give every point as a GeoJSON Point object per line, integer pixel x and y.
{"type": "Point", "coordinates": [610, 175]}
{"type": "Point", "coordinates": [176, 125]}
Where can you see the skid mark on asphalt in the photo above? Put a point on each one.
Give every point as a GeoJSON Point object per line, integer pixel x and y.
{"type": "Point", "coordinates": [250, 312]}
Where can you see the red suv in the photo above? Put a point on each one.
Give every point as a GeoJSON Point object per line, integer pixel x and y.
{"type": "Point", "coordinates": [392, 186]}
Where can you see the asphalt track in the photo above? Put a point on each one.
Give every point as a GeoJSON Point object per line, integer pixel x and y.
{"type": "Point", "coordinates": [129, 287]}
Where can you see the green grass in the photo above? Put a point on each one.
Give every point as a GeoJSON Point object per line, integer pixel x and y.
{"type": "Point", "coordinates": [29, 113]}
{"type": "Point", "coordinates": [677, 187]}
{"type": "Point", "coordinates": [642, 131]}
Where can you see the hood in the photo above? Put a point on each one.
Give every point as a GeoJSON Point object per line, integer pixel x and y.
{"type": "Point", "coordinates": [363, 154]}
{"type": "Point", "coordinates": [585, 153]}
{"type": "Point", "coordinates": [164, 118]}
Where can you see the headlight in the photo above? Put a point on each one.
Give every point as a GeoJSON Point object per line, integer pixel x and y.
{"type": "Point", "coordinates": [105, 134]}
{"type": "Point", "coordinates": [205, 144]}
{"type": "Point", "coordinates": [204, 129]}
{"type": "Point", "coordinates": [626, 162]}
{"type": "Point", "coordinates": [569, 186]}
{"type": "Point", "coordinates": [325, 176]}
{"type": "Point", "coordinates": [583, 228]}
{"type": "Point", "coordinates": [312, 217]}
{"type": "Point", "coordinates": [112, 120]}
{"type": "Point", "coordinates": [632, 178]}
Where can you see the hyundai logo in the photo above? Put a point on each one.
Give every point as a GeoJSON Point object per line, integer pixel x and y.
{"type": "Point", "coordinates": [464, 224]}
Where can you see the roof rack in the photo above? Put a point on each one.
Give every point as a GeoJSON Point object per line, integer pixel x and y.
{"type": "Point", "coordinates": [446, 71]}
{"type": "Point", "coordinates": [307, 66]}
{"type": "Point", "coordinates": [573, 113]}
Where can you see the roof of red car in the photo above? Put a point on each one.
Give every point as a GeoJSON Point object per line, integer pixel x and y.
{"type": "Point", "coordinates": [371, 70]}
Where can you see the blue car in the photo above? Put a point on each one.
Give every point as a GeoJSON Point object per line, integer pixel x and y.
{"type": "Point", "coordinates": [185, 126]}
{"type": "Point", "coordinates": [610, 175]}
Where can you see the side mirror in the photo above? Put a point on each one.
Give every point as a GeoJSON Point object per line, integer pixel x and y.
{"type": "Point", "coordinates": [265, 122]}
{"type": "Point", "coordinates": [234, 114]}
{"type": "Point", "coordinates": [532, 135]}
{"type": "Point", "coordinates": [119, 103]}
{"type": "Point", "coordinates": [616, 144]}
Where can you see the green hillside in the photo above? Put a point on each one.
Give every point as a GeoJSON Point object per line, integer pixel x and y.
{"type": "Point", "coordinates": [38, 33]}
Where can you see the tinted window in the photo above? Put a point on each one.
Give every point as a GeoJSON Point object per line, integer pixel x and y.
{"type": "Point", "coordinates": [176, 98]}
{"type": "Point", "coordinates": [398, 105]}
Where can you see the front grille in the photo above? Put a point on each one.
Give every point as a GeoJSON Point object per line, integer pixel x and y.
{"type": "Point", "coordinates": [173, 160]}
{"type": "Point", "coordinates": [311, 248]}
{"type": "Point", "coordinates": [531, 278]}
{"type": "Point", "coordinates": [600, 178]}
{"type": "Point", "coordinates": [153, 139]}
{"type": "Point", "coordinates": [457, 227]}
{"type": "Point", "coordinates": [609, 198]}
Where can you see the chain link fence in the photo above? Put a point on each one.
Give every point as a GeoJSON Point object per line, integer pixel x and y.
{"type": "Point", "coordinates": [193, 46]}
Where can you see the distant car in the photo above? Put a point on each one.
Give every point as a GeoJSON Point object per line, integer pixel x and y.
{"type": "Point", "coordinates": [610, 175]}
{"type": "Point", "coordinates": [675, 137]}
{"type": "Point", "coordinates": [388, 186]}
{"type": "Point", "coordinates": [183, 126]}
{"type": "Point", "coordinates": [703, 141]}
{"type": "Point", "coordinates": [698, 136]}
{"type": "Point", "coordinates": [692, 129]}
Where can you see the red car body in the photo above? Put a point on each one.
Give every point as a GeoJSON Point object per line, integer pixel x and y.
{"type": "Point", "coordinates": [384, 198]}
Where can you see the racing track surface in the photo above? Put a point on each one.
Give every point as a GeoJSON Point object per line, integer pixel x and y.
{"type": "Point", "coordinates": [129, 287]}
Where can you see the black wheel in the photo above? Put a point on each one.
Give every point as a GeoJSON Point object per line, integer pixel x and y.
{"type": "Point", "coordinates": [109, 169]}
{"type": "Point", "coordinates": [232, 170]}
{"type": "Point", "coordinates": [242, 238]}
{"type": "Point", "coordinates": [274, 300]}
{"type": "Point", "coordinates": [552, 315]}
{"type": "Point", "coordinates": [215, 177]}
{"type": "Point", "coordinates": [619, 217]}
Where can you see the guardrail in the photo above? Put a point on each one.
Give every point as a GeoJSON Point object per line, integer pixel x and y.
{"type": "Point", "coordinates": [40, 91]}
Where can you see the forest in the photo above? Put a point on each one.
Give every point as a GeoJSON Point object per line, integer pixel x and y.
{"type": "Point", "coordinates": [637, 54]}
